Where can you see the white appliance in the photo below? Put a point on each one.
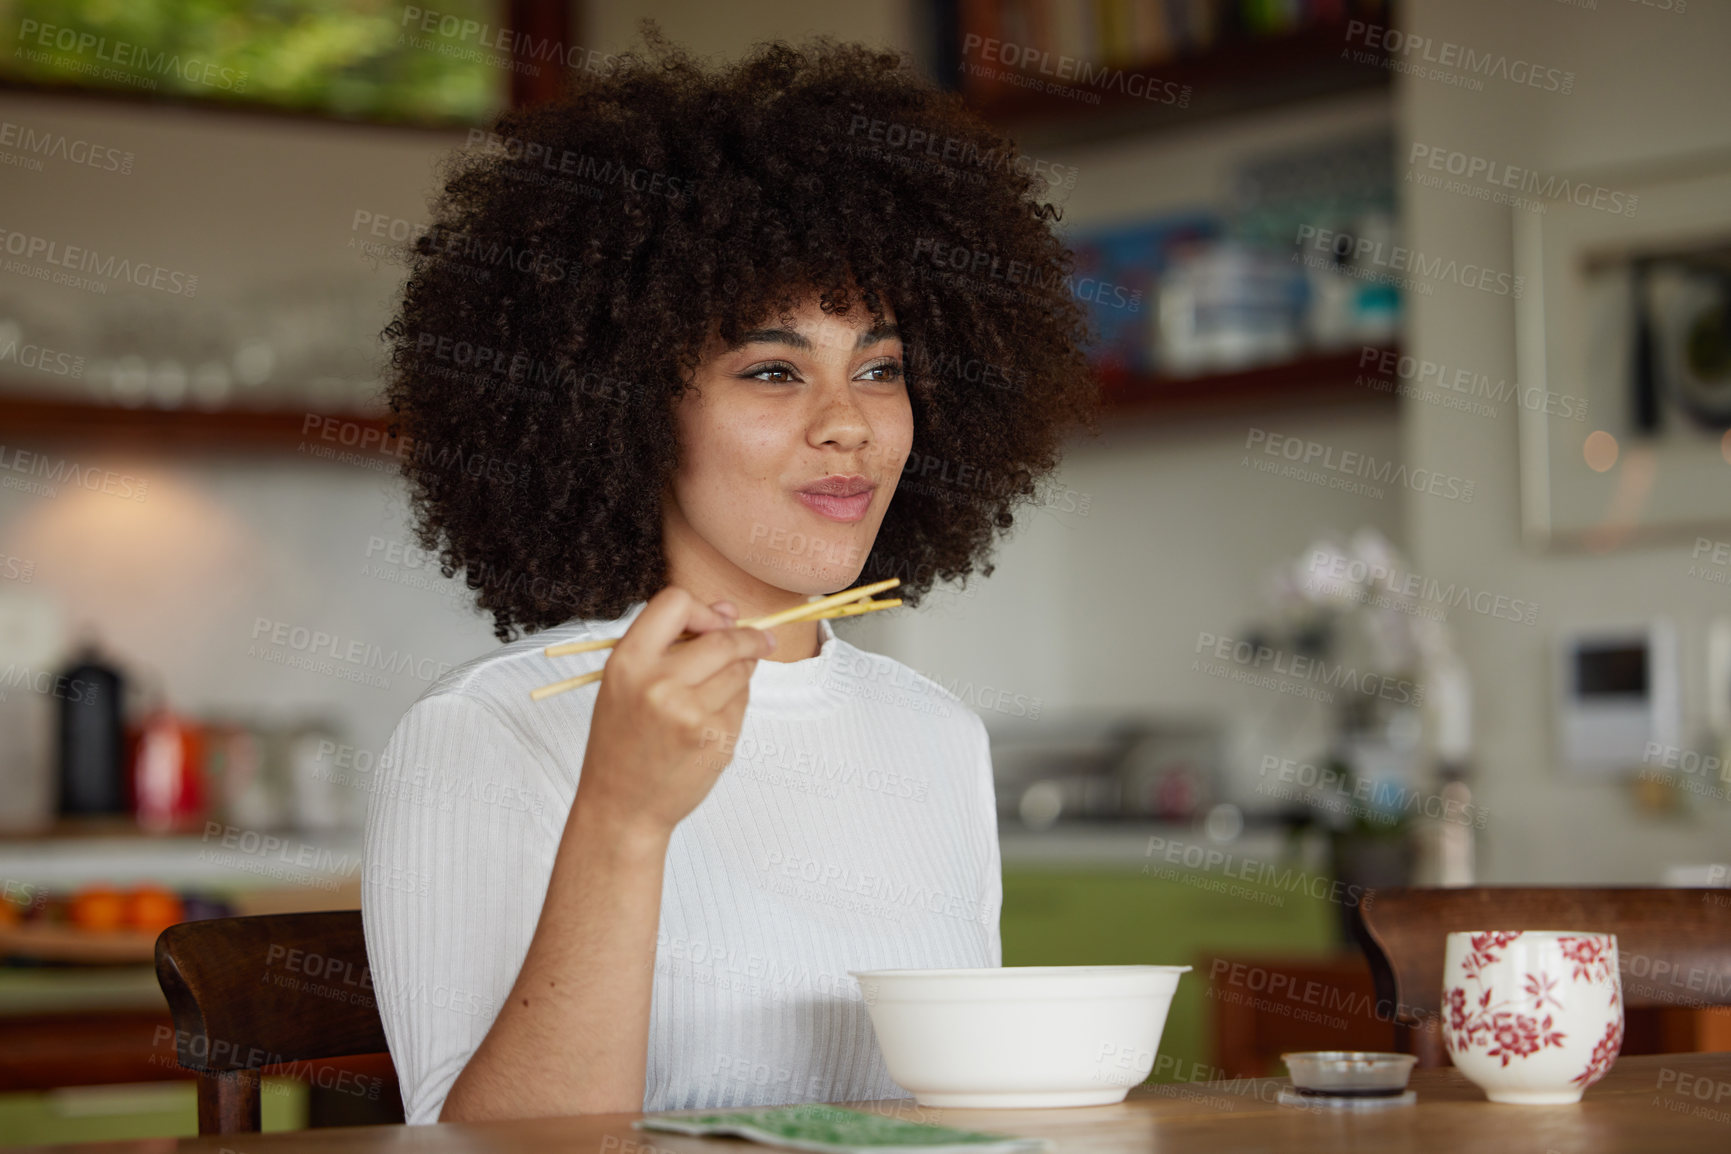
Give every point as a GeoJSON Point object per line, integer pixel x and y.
{"type": "Point", "coordinates": [1617, 692]}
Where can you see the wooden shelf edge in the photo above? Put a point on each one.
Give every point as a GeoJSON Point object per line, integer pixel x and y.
{"type": "Point", "coordinates": [1317, 378]}
{"type": "Point", "coordinates": [1320, 378]}
{"type": "Point", "coordinates": [1240, 76]}
{"type": "Point", "coordinates": [34, 420]}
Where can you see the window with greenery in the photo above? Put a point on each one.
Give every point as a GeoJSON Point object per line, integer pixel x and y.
{"type": "Point", "coordinates": [447, 60]}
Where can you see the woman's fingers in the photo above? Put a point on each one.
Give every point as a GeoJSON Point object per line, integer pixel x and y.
{"type": "Point", "coordinates": [707, 617]}
{"type": "Point", "coordinates": [663, 619]}
{"type": "Point", "coordinates": [717, 661]}
{"type": "Point", "coordinates": [665, 704]}
{"type": "Point", "coordinates": [694, 662]}
{"type": "Point", "coordinates": [718, 691]}
{"type": "Point", "coordinates": [668, 614]}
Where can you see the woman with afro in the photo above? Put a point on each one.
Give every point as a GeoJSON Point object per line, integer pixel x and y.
{"type": "Point", "coordinates": [688, 345]}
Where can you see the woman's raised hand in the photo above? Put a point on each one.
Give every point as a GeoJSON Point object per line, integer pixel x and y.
{"type": "Point", "coordinates": [666, 712]}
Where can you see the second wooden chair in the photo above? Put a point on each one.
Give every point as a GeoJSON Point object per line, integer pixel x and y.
{"type": "Point", "coordinates": [1674, 945]}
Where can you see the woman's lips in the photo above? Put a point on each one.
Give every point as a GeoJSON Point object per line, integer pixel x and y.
{"type": "Point", "coordinates": [837, 508]}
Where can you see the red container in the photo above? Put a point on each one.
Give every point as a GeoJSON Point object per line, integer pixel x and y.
{"type": "Point", "coordinates": [167, 772]}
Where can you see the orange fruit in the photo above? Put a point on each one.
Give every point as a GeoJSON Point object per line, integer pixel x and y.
{"type": "Point", "coordinates": [98, 908]}
{"type": "Point", "coordinates": [153, 909]}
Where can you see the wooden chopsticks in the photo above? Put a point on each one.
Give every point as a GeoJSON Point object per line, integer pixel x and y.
{"type": "Point", "coordinates": [847, 603]}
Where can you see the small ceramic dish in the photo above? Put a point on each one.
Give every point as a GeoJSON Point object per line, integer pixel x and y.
{"type": "Point", "coordinates": [1349, 1073]}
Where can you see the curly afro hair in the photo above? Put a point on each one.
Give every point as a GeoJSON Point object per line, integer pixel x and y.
{"type": "Point", "coordinates": [581, 253]}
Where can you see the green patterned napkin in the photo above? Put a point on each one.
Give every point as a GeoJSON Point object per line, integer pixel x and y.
{"type": "Point", "coordinates": [837, 1130]}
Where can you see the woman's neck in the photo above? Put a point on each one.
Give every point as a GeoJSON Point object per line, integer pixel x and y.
{"type": "Point", "coordinates": [710, 577]}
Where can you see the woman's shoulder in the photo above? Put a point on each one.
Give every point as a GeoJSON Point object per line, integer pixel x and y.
{"type": "Point", "coordinates": [497, 684]}
{"type": "Point", "coordinates": [476, 728]}
{"type": "Point", "coordinates": [523, 664]}
{"type": "Point", "coordinates": [877, 677]}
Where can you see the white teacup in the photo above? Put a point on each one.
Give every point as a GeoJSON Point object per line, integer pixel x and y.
{"type": "Point", "coordinates": [1532, 1017]}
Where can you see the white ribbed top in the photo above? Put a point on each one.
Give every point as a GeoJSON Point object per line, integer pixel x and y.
{"type": "Point", "coordinates": [855, 828]}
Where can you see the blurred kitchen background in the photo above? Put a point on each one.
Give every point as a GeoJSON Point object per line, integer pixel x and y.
{"type": "Point", "coordinates": [1404, 555]}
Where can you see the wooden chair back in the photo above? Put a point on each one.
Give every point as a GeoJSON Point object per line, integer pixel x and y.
{"type": "Point", "coordinates": [1673, 945]}
{"type": "Point", "coordinates": [246, 993]}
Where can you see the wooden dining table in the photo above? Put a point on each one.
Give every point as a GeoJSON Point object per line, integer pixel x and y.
{"type": "Point", "coordinates": [1651, 1104]}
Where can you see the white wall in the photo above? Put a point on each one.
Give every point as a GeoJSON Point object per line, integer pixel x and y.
{"type": "Point", "coordinates": [1649, 84]}
{"type": "Point", "coordinates": [176, 583]}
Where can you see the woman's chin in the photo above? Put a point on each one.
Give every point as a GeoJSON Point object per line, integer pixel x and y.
{"type": "Point", "coordinates": [805, 578]}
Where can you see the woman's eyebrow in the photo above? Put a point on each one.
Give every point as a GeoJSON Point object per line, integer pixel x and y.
{"type": "Point", "coordinates": [797, 340]}
{"type": "Point", "coordinates": [884, 332]}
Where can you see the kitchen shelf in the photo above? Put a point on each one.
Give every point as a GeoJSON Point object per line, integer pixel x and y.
{"type": "Point", "coordinates": [1321, 378]}
{"type": "Point", "coordinates": [37, 420]}
{"type": "Point", "coordinates": [1316, 378]}
{"type": "Point", "coordinates": [1238, 75]}
{"type": "Point", "coordinates": [193, 862]}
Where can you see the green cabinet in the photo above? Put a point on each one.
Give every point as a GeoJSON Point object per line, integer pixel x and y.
{"type": "Point", "coordinates": [133, 1110]}
{"type": "Point", "coordinates": [1074, 917]}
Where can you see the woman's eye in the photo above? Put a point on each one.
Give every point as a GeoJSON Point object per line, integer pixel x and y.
{"type": "Point", "coordinates": [887, 371]}
{"type": "Point", "coordinates": [786, 373]}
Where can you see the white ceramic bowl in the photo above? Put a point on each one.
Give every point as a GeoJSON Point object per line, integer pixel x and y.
{"type": "Point", "coordinates": [1019, 1036]}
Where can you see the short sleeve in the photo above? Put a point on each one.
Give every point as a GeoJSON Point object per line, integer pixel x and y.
{"type": "Point", "coordinates": [462, 831]}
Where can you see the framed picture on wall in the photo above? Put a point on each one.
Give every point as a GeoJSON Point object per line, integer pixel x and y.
{"type": "Point", "coordinates": [1623, 342]}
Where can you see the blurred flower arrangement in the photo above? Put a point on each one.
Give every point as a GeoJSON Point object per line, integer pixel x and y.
{"type": "Point", "coordinates": [1378, 632]}
{"type": "Point", "coordinates": [1360, 603]}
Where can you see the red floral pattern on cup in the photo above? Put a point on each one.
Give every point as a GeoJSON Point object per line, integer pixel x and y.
{"type": "Point", "coordinates": [1604, 1054]}
{"type": "Point", "coordinates": [1540, 989]}
{"type": "Point", "coordinates": [1591, 958]}
{"type": "Point", "coordinates": [1506, 1032]}
{"type": "Point", "coordinates": [1484, 950]}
